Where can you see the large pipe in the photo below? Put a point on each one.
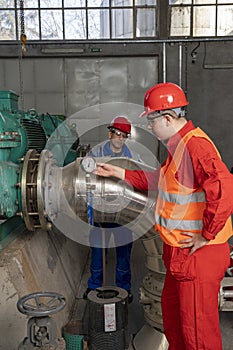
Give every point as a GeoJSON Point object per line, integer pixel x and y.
{"type": "Point", "coordinates": [58, 195]}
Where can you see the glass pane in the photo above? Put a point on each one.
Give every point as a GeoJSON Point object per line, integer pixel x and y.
{"type": "Point", "coordinates": [122, 2]}
{"type": "Point", "coordinates": [104, 24]}
{"type": "Point", "coordinates": [145, 2]}
{"type": "Point", "coordinates": [30, 4]}
{"type": "Point", "coordinates": [205, 2]}
{"type": "Point", "coordinates": [49, 3]}
{"type": "Point", "coordinates": [7, 25]}
{"type": "Point", "coordinates": [180, 2]}
{"type": "Point", "coordinates": [146, 22]}
{"type": "Point", "coordinates": [75, 24]}
{"type": "Point", "coordinates": [74, 3]}
{"type": "Point", "coordinates": [31, 21]}
{"type": "Point", "coordinates": [180, 21]}
{"type": "Point", "coordinates": [51, 24]}
{"type": "Point", "coordinates": [204, 20]}
{"type": "Point", "coordinates": [98, 3]}
{"type": "Point", "coordinates": [225, 20]}
{"type": "Point", "coordinates": [122, 23]}
{"type": "Point", "coordinates": [7, 4]}
{"type": "Point", "coordinates": [225, 1]}
{"type": "Point", "coordinates": [98, 24]}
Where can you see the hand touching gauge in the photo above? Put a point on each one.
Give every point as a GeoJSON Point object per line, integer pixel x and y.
{"type": "Point", "coordinates": [88, 164]}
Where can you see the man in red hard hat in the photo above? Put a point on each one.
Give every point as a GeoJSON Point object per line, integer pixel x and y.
{"type": "Point", "coordinates": [163, 97]}
{"type": "Point", "coordinates": [193, 217]}
{"type": "Point", "coordinates": [122, 124]}
{"type": "Point", "coordinates": [118, 131]}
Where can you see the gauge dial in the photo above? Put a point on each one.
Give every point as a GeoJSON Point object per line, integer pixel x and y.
{"type": "Point", "coordinates": [88, 164]}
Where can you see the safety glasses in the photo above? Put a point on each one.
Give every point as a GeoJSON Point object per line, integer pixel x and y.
{"type": "Point", "coordinates": [119, 133]}
{"type": "Point", "coordinates": [154, 115]}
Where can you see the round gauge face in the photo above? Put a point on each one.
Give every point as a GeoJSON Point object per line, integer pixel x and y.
{"type": "Point", "coordinates": [88, 164]}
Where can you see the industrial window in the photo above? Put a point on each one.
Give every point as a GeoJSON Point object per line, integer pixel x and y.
{"type": "Point", "coordinates": [77, 19]}
{"type": "Point", "coordinates": [201, 18]}
{"type": "Point", "coordinates": [64, 20]}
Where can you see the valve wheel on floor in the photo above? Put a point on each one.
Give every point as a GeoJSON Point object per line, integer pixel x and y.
{"type": "Point", "coordinates": [41, 304]}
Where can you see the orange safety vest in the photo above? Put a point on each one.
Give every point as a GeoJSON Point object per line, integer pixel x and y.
{"type": "Point", "coordinates": [179, 209]}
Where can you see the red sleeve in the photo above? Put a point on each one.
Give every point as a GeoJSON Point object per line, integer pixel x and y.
{"type": "Point", "coordinates": [214, 178]}
{"type": "Point", "coordinates": [143, 180]}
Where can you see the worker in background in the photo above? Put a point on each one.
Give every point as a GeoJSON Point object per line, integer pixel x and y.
{"type": "Point", "coordinates": [118, 132]}
{"type": "Point", "coordinates": [192, 215]}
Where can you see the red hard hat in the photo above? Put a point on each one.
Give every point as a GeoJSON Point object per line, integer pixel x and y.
{"type": "Point", "coordinates": [121, 123]}
{"type": "Point", "coordinates": [163, 96]}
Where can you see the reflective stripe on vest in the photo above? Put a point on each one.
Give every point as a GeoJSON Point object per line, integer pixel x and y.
{"type": "Point", "coordinates": [184, 225]}
{"type": "Point", "coordinates": [182, 199]}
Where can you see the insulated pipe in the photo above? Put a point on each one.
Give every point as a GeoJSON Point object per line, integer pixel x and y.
{"type": "Point", "coordinates": [112, 200]}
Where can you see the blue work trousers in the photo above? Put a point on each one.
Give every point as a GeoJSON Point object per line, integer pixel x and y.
{"type": "Point", "coordinates": [123, 254]}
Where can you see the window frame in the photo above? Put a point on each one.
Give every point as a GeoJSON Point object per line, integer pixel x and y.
{"type": "Point", "coordinates": [19, 28]}
{"type": "Point", "coordinates": [162, 20]}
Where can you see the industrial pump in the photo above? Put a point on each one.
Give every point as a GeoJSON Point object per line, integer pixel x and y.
{"type": "Point", "coordinates": [22, 131]}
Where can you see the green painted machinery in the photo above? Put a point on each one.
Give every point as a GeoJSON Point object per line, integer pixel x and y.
{"type": "Point", "coordinates": [20, 132]}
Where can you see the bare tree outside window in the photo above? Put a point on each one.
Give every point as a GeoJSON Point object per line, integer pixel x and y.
{"type": "Point", "coordinates": [7, 25]}
{"type": "Point", "coordinates": [200, 18]}
{"type": "Point", "coordinates": [113, 19]}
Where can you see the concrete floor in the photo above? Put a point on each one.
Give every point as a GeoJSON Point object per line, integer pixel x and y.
{"type": "Point", "coordinates": [135, 309]}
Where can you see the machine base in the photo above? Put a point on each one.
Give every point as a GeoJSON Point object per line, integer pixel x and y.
{"type": "Point", "coordinates": [150, 339]}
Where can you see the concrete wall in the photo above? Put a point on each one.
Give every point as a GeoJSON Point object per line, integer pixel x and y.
{"type": "Point", "coordinates": [122, 73]}
{"type": "Point", "coordinates": [207, 75]}
{"type": "Point", "coordinates": [33, 262]}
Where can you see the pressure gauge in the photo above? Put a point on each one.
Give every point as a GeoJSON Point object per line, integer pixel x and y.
{"type": "Point", "coordinates": [88, 164]}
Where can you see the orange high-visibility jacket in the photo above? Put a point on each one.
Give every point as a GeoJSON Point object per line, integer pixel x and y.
{"type": "Point", "coordinates": [179, 209]}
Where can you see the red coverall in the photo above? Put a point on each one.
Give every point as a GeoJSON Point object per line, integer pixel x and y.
{"type": "Point", "coordinates": [190, 293]}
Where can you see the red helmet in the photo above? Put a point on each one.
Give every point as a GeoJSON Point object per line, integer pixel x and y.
{"type": "Point", "coordinates": [163, 96]}
{"type": "Point", "coordinates": [121, 123]}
